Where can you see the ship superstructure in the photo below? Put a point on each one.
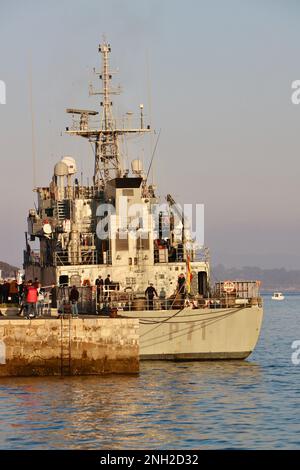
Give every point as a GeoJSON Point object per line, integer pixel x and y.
{"type": "Point", "coordinates": [140, 245]}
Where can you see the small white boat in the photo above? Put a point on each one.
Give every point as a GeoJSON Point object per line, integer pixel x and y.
{"type": "Point", "coordinates": [277, 296]}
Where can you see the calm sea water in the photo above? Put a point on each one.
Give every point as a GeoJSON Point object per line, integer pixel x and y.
{"type": "Point", "coordinates": [249, 404]}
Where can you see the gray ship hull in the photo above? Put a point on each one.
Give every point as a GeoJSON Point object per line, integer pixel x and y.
{"type": "Point", "coordinates": [204, 334]}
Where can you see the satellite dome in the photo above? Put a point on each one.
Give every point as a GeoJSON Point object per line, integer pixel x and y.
{"type": "Point", "coordinates": [61, 169]}
{"type": "Point", "coordinates": [71, 164]}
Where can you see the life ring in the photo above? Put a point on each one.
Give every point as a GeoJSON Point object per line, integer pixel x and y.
{"type": "Point", "coordinates": [228, 286]}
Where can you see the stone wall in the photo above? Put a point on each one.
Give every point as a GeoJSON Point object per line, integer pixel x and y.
{"type": "Point", "coordinates": [81, 346]}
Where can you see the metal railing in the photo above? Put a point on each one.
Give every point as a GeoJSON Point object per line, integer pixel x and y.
{"type": "Point", "coordinates": [107, 299]}
{"type": "Point", "coordinates": [240, 290]}
{"type": "Point", "coordinates": [132, 301]}
{"type": "Point", "coordinates": [84, 256]}
{"type": "Point", "coordinates": [125, 123]}
{"type": "Point", "coordinates": [86, 192]}
{"type": "Point", "coordinates": [86, 303]}
{"type": "Point", "coordinates": [179, 254]}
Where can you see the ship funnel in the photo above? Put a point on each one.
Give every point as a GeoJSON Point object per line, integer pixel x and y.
{"type": "Point", "coordinates": [137, 167]}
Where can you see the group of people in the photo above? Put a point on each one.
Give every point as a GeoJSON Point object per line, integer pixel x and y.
{"type": "Point", "coordinates": [150, 292]}
{"type": "Point", "coordinates": [103, 286]}
{"type": "Point", "coordinates": [9, 292]}
{"type": "Point", "coordinates": [32, 299]}
{"type": "Point", "coordinates": [65, 299]}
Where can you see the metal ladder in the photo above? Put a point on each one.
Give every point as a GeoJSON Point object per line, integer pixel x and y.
{"type": "Point", "coordinates": [65, 328]}
{"type": "Point", "coordinates": [62, 212]}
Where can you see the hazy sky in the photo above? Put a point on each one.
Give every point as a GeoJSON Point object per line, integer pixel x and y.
{"type": "Point", "coordinates": [218, 84]}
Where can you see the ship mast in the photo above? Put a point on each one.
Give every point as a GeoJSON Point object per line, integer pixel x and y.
{"type": "Point", "coordinates": [105, 138]}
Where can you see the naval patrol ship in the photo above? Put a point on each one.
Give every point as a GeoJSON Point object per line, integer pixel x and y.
{"type": "Point", "coordinates": [128, 256]}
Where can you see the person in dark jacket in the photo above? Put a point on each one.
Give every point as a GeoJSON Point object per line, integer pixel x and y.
{"type": "Point", "coordinates": [5, 292]}
{"type": "Point", "coordinates": [181, 285]}
{"type": "Point", "coordinates": [107, 284]}
{"type": "Point", "coordinates": [1, 293]}
{"type": "Point", "coordinates": [14, 291]}
{"type": "Point", "coordinates": [99, 284]}
{"type": "Point", "coordinates": [53, 296]}
{"type": "Point", "coordinates": [22, 288]}
{"type": "Point", "coordinates": [22, 296]}
{"type": "Point", "coordinates": [150, 292]}
{"type": "Point", "coordinates": [74, 296]}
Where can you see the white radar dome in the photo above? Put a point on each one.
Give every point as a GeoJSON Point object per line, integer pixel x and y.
{"type": "Point", "coordinates": [61, 169]}
{"type": "Point", "coordinates": [71, 164]}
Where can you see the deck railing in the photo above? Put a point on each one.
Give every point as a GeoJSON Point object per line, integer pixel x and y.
{"type": "Point", "coordinates": [105, 300]}
{"type": "Point", "coordinates": [165, 254]}
{"type": "Point", "coordinates": [85, 256]}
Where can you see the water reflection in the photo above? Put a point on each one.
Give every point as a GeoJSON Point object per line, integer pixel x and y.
{"type": "Point", "coordinates": [246, 404]}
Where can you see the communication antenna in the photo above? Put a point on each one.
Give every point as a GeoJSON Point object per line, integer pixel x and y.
{"type": "Point", "coordinates": [153, 154]}
{"type": "Point", "coordinates": [105, 137]}
{"type": "Point", "coordinates": [149, 93]}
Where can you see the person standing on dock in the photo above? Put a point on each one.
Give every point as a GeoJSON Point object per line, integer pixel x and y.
{"type": "Point", "coordinates": [14, 291]}
{"type": "Point", "coordinates": [5, 292]}
{"type": "Point", "coordinates": [53, 296]}
{"type": "Point", "coordinates": [150, 292]}
{"type": "Point", "coordinates": [22, 297]}
{"type": "Point", "coordinates": [31, 300]}
{"type": "Point", "coordinates": [40, 302]}
{"type": "Point", "coordinates": [21, 289]}
{"type": "Point", "coordinates": [74, 297]}
{"type": "Point", "coordinates": [1, 292]}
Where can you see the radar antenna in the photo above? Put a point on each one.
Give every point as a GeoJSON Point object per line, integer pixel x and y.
{"type": "Point", "coordinates": [104, 137]}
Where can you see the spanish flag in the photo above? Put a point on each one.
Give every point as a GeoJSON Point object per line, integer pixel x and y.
{"type": "Point", "coordinates": [189, 275]}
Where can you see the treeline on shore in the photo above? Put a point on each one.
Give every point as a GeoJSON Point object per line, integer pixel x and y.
{"type": "Point", "coordinates": [8, 271]}
{"type": "Point", "coordinates": [271, 279]}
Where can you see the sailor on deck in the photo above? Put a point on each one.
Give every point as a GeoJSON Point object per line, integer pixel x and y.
{"type": "Point", "coordinates": [107, 284]}
{"type": "Point", "coordinates": [99, 284]}
{"type": "Point", "coordinates": [181, 285]}
{"type": "Point", "coordinates": [150, 292]}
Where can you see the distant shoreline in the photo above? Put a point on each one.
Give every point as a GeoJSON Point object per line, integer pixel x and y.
{"type": "Point", "coordinates": [284, 291]}
{"type": "Point", "coordinates": [272, 280]}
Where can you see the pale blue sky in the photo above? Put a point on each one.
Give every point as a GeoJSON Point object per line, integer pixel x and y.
{"type": "Point", "coordinates": [220, 80]}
